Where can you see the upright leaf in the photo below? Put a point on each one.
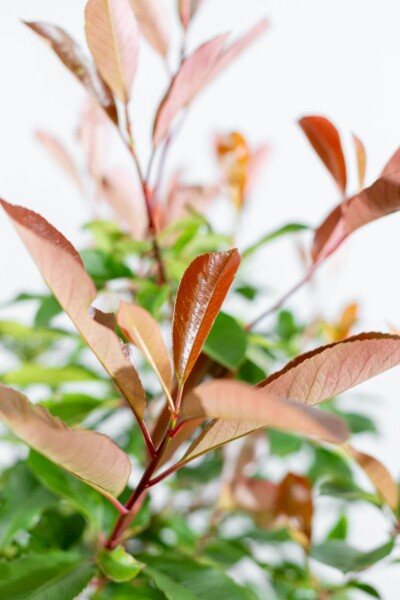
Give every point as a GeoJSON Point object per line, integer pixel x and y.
{"type": "Point", "coordinates": [88, 455]}
{"type": "Point", "coordinates": [61, 156]}
{"type": "Point", "coordinates": [64, 273]}
{"type": "Point", "coordinates": [152, 21]}
{"type": "Point", "coordinates": [186, 84]}
{"type": "Point", "coordinates": [143, 330]}
{"type": "Point", "coordinates": [187, 9]}
{"type": "Point", "coordinates": [74, 59]}
{"type": "Point", "coordinates": [380, 199]}
{"type": "Point", "coordinates": [361, 160]}
{"type": "Point", "coordinates": [324, 138]}
{"type": "Point", "coordinates": [112, 36]}
{"type": "Point", "coordinates": [201, 293]}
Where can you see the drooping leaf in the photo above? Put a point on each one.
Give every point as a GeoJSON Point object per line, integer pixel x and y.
{"type": "Point", "coordinates": [201, 293]}
{"type": "Point", "coordinates": [59, 153]}
{"type": "Point", "coordinates": [325, 139]}
{"type": "Point", "coordinates": [142, 329]}
{"type": "Point", "coordinates": [266, 239]}
{"type": "Point", "coordinates": [226, 343]}
{"type": "Point", "coordinates": [49, 576]}
{"type": "Point", "coordinates": [73, 58]}
{"type": "Point", "coordinates": [152, 20]}
{"type": "Point", "coordinates": [379, 200]}
{"type": "Point", "coordinates": [64, 273]}
{"type": "Point", "coordinates": [330, 370]}
{"type": "Point", "coordinates": [91, 456]}
{"type": "Point", "coordinates": [112, 35]}
{"type": "Point", "coordinates": [361, 160]}
{"type": "Point", "coordinates": [186, 84]}
{"type": "Point", "coordinates": [340, 555]}
{"type": "Point", "coordinates": [118, 565]}
{"type": "Point", "coordinates": [379, 475]}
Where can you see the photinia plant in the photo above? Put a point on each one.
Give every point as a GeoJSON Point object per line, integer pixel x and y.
{"type": "Point", "coordinates": [130, 488]}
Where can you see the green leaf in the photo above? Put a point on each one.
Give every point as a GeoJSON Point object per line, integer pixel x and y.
{"type": "Point", "coordinates": [74, 408]}
{"type": "Point", "coordinates": [339, 530]}
{"type": "Point", "coordinates": [181, 578]}
{"type": "Point", "coordinates": [329, 464]}
{"type": "Point", "coordinates": [348, 490]}
{"type": "Point", "coordinates": [340, 555]}
{"type": "Point", "coordinates": [57, 530]}
{"type": "Point", "coordinates": [226, 343]}
{"type": "Point", "coordinates": [102, 266]}
{"type": "Point", "coordinates": [364, 587]}
{"type": "Point", "coordinates": [359, 423]}
{"type": "Point", "coordinates": [18, 483]}
{"type": "Point", "coordinates": [250, 372]}
{"type": "Point", "coordinates": [247, 291]}
{"type": "Point", "coordinates": [48, 309]}
{"type": "Point", "coordinates": [282, 443]}
{"type": "Point", "coordinates": [273, 235]}
{"type": "Point", "coordinates": [137, 590]}
{"type": "Point", "coordinates": [118, 565]}
{"type": "Point", "coordinates": [30, 374]}
{"type": "Point", "coordinates": [50, 576]}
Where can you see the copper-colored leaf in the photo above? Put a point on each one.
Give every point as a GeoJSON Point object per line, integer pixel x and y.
{"type": "Point", "coordinates": [295, 501]}
{"type": "Point", "coordinates": [393, 164]}
{"type": "Point", "coordinates": [361, 160]}
{"type": "Point", "coordinates": [330, 370]}
{"type": "Point", "coordinates": [64, 273]}
{"type": "Point", "coordinates": [187, 9]}
{"type": "Point", "coordinates": [142, 329]}
{"type": "Point", "coordinates": [91, 456]}
{"type": "Point", "coordinates": [112, 35]}
{"type": "Point", "coordinates": [60, 155]}
{"type": "Point", "coordinates": [152, 20]}
{"type": "Point", "coordinates": [75, 60]}
{"type": "Point", "coordinates": [380, 199]}
{"type": "Point", "coordinates": [186, 84]}
{"type": "Point", "coordinates": [201, 293]}
{"type": "Point", "coordinates": [379, 476]}
{"type": "Point", "coordinates": [324, 138]}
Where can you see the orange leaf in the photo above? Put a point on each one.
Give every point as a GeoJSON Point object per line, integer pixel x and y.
{"type": "Point", "coordinates": [379, 476]}
{"type": "Point", "coordinates": [361, 160]}
{"type": "Point", "coordinates": [325, 140]}
{"type": "Point", "coordinates": [201, 293]}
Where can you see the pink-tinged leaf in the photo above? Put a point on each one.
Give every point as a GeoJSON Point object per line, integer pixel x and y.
{"type": "Point", "coordinates": [186, 84]}
{"type": "Point", "coordinates": [361, 157]}
{"type": "Point", "coordinates": [140, 328]}
{"type": "Point", "coordinates": [380, 199]}
{"type": "Point", "coordinates": [184, 198]}
{"type": "Point", "coordinates": [125, 196]}
{"type": "Point", "coordinates": [256, 408]}
{"type": "Point", "coordinates": [93, 135]}
{"type": "Point", "coordinates": [91, 456]}
{"type": "Point", "coordinates": [239, 46]}
{"type": "Point", "coordinates": [152, 20]}
{"type": "Point", "coordinates": [379, 476]}
{"type": "Point", "coordinates": [112, 35]}
{"type": "Point", "coordinates": [330, 370]}
{"type": "Point", "coordinates": [75, 60]}
{"type": "Point", "coordinates": [325, 139]}
{"type": "Point", "coordinates": [393, 165]}
{"type": "Point", "coordinates": [201, 293]}
{"type": "Point", "coordinates": [65, 275]}
{"type": "Point", "coordinates": [61, 156]}
{"type": "Point", "coordinates": [187, 9]}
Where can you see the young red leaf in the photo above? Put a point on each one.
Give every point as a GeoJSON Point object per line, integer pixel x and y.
{"type": "Point", "coordinates": [91, 456]}
{"type": "Point", "coordinates": [380, 199]}
{"type": "Point", "coordinates": [74, 59]}
{"type": "Point", "coordinates": [112, 35]}
{"type": "Point", "coordinates": [64, 273]}
{"type": "Point", "coordinates": [142, 329]}
{"type": "Point", "coordinates": [361, 160]}
{"type": "Point", "coordinates": [325, 140]}
{"type": "Point", "coordinates": [201, 293]}
{"type": "Point", "coordinates": [61, 156]}
{"type": "Point", "coordinates": [330, 370]}
{"type": "Point", "coordinates": [393, 165]}
{"type": "Point", "coordinates": [186, 84]}
{"type": "Point", "coordinates": [152, 20]}
{"type": "Point", "coordinates": [379, 476]}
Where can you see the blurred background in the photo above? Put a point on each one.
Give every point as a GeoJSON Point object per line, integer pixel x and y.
{"type": "Point", "coordinates": [334, 58]}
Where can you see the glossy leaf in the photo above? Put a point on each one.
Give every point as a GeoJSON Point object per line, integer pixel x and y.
{"type": "Point", "coordinates": [186, 84]}
{"type": "Point", "coordinates": [91, 456]}
{"type": "Point", "coordinates": [152, 20]}
{"type": "Point", "coordinates": [379, 200]}
{"type": "Point", "coordinates": [142, 329]}
{"type": "Point", "coordinates": [227, 342]}
{"type": "Point", "coordinates": [325, 139]}
{"type": "Point", "coordinates": [112, 36]}
{"type": "Point", "coordinates": [330, 370]}
{"type": "Point", "coordinates": [73, 58]}
{"type": "Point", "coordinates": [64, 273]}
{"type": "Point", "coordinates": [50, 576]}
{"type": "Point", "coordinates": [361, 160]}
{"type": "Point", "coordinates": [201, 293]}
{"type": "Point", "coordinates": [118, 565]}
{"type": "Point", "coordinates": [379, 475]}
{"type": "Point", "coordinates": [340, 555]}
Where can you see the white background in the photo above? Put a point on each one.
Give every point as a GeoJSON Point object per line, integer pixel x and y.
{"type": "Point", "coordinates": [339, 58]}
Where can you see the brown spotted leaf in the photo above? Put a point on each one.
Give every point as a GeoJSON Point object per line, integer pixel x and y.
{"type": "Point", "coordinates": [91, 456]}
{"type": "Point", "coordinates": [75, 60]}
{"type": "Point", "coordinates": [201, 293]}
{"type": "Point", "coordinates": [65, 275]}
